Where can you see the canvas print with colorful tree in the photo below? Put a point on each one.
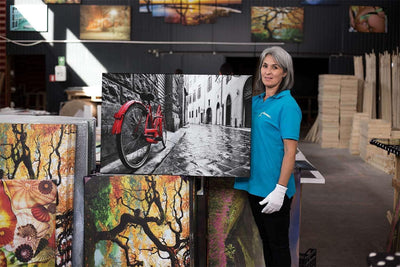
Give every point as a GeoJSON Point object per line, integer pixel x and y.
{"type": "Point", "coordinates": [277, 24]}
{"type": "Point", "coordinates": [137, 221]}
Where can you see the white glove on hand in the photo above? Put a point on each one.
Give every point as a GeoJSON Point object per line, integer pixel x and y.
{"type": "Point", "coordinates": [274, 199]}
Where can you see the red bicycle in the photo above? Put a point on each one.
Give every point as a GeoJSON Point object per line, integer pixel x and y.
{"type": "Point", "coordinates": [136, 129]}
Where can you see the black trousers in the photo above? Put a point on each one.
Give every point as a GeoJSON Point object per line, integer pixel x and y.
{"type": "Point", "coordinates": [274, 232]}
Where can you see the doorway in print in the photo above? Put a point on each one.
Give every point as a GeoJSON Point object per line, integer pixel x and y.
{"type": "Point", "coordinates": [228, 110]}
{"type": "Point", "coordinates": [209, 116]}
{"type": "Point", "coordinates": [218, 115]}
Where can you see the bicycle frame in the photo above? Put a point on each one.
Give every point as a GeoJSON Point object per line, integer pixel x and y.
{"type": "Point", "coordinates": [150, 132]}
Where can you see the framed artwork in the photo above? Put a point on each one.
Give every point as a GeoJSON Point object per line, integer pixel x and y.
{"type": "Point", "coordinates": [367, 19]}
{"type": "Point", "coordinates": [62, 1]}
{"type": "Point", "coordinates": [319, 2]}
{"type": "Point", "coordinates": [199, 124]}
{"type": "Point", "coordinates": [137, 221]}
{"type": "Point", "coordinates": [105, 22]}
{"type": "Point", "coordinates": [28, 18]}
{"type": "Point", "coordinates": [190, 12]}
{"type": "Point", "coordinates": [277, 24]}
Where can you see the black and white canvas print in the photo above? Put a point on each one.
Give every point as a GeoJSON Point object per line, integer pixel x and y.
{"type": "Point", "coordinates": [176, 124]}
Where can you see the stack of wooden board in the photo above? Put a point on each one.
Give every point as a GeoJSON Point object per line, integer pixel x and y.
{"type": "Point", "coordinates": [395, 134]}
{"type": "Point", "coordinates": [359, 73]}
{"type": "Point", "coordinates": [385, 92]}
{"type": "Point", "coordinates": [382, 160]}
{"type": "Point", "coordinates": [358, 67]}
{"type": "Point", "coordinates": [328, 111]}
{"type": "Point", "coordinates": [396, 90]}
{"type": "Point", "coordinates": [354, 143]}
{"type": "Point", "coordinates": [347, 108]}
{"type": "Point", "coordinates": [375, 128]}
{"type": "Point", "coordinates": [337, 100]}
{"type": "Point", "coordinates": [369, 93]}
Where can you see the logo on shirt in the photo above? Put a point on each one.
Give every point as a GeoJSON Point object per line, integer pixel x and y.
{"type": "Point", "coordinates": [265, 114]}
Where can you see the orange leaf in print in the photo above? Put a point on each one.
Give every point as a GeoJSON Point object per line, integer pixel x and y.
{"type": "Point", "coordinates": [26, 193]}
{"type": "Point", "coordinates": [3, 259]}
{"type": "Point", "coordinates": [40, 213]}
{"type": "Point", "coordinates": [6, 236]}
{"type": "Point", "coordinates": [8, 221]}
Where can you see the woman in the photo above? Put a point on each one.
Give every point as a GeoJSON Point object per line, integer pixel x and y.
{"type": "Point", "coordinates": [275, 131]}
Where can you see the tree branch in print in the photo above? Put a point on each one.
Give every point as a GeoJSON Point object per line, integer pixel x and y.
{"type": "Point", "coordinates": [64, 241]}
{"type": "Point", "coordinates": [32, 151]}
{"type": "Point", "coordinates": [142, 216]}
{"type": "Point", "coordinates": [279, 18]}
{"type": "Point", "coordinates": [180, 10]}
{"type": "Point", "coordinates": [55, 146]}
{"type": "Point", "coordinates": [18, 153]}
{"type": "Point", "coordinates": [148, 3]}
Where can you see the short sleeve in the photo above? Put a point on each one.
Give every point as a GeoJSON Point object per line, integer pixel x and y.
{"type": "Point", "coordinates": [290, 122]}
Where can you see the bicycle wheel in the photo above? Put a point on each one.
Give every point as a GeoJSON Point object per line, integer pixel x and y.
{"type": "Point", "coordinates": [133, 149]}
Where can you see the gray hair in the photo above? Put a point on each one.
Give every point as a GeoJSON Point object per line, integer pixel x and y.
{"type": "Point", "coordinates": [284, 60]}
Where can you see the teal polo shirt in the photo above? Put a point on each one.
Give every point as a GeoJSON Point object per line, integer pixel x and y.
{"type": "Point", "coordinates": [275, 119]}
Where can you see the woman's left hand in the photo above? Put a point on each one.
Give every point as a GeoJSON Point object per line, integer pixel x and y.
{"type": "Point", "coordinates": [274, 199]}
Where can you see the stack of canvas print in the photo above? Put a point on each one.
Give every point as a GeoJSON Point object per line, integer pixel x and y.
{"type": "Point", "coordinates": [37, 167]}
{"type": "Point", "coordinates": [35, 149]}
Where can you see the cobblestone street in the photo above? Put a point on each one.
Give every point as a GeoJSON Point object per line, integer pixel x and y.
{"type": "Point", "coordinates": [197, 150]}
{"type": "Point", "coordinates": [209, 150]}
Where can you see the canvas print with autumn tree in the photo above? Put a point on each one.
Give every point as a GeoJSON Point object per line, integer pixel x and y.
{"type": "Point", "coordinates": [105, 22]}
{"type": "Point", "coordinates": [37, 164]}
{"type": "Point", "coordinates": [277, 24]}
{"type": "Point", "coordinates": [137, 221]}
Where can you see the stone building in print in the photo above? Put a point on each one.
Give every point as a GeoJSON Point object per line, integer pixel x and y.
{"type": "Point", "coordinates": [219, 99]}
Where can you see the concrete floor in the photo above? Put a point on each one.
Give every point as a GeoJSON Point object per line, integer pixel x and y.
{"type": "Point", "coordinates": [345, 218]}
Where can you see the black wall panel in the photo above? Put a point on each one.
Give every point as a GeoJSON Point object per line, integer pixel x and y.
{"type": "Point", "coordinates": [325, 35]}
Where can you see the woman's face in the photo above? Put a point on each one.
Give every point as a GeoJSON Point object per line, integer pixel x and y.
{"type": "Point", "coordinates": [271, 73]}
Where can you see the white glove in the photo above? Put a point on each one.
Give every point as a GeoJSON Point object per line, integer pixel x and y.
{"type": "Point", "coordinates": [274, 199]}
